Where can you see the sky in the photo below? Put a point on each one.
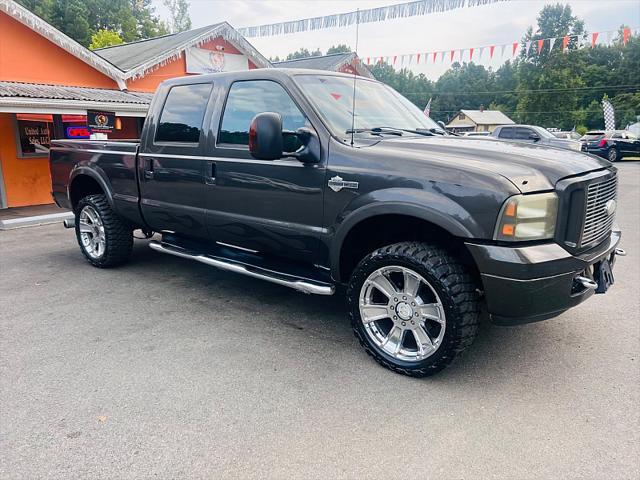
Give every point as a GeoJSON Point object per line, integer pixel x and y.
{"type": "Point", "coordinates": [498, 23]}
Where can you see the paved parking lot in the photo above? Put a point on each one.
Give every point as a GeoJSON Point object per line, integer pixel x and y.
{"type": "Point", "coordinates": [166, 368]}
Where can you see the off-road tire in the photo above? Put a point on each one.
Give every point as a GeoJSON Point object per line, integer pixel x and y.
{"type": "Point", "coordinates": [613, 155]}
{"type": "Point", "coordinates": [119, 236]}
{"type": "Point", "coordinates": [452, 282]}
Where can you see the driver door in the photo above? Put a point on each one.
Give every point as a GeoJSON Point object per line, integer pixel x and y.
{"type": "Point", "coordinates": [273, 207]}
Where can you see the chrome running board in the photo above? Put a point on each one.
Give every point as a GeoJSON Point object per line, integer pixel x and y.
{"type": "Point", "coordinates": [297, 283]}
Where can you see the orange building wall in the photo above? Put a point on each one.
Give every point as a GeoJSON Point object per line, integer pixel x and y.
{"type": "Point", "coordinates": [26, 56]}
{"type": "Point", "coordinates": [30, 180]}
{"type": "Point", "coordinates": [178, 68]}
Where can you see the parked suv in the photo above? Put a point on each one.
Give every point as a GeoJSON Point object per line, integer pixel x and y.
{"type": "Point", "coordinates": [612, 145]}
{"type": "Point", "coordinates": [267, 173]}
{"type": "Point", "coordinates": [534, 135]}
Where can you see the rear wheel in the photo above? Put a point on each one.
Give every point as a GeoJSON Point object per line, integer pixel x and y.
{"type": "Point", "coordinates": [414, 307]}
{"type": "Point", "coordinates": [613, 155]}
{"type": "Point", "coordinates": [104, 239]}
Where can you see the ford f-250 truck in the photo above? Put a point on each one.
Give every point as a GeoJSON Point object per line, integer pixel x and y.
{"type": "Point", "coordinates": [273, 174]}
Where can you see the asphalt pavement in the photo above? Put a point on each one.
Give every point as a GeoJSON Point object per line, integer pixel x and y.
{"type": "Point", "coordinates": [166, 368]}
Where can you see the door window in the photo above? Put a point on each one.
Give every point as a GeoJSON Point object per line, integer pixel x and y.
{"type": "Point", "coordinates": [182, 114]}
{"type": "Point", "coordinates": [506, 132]}
{"type": "Point", "coordinates": [248, 98]}
{"type": "Point", "coordinates": [523, 133]}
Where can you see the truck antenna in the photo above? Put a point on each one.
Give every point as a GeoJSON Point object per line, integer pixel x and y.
{"type": "Point", "coordinates": [355, 75]}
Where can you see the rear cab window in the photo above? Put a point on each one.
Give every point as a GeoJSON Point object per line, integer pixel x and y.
{"type": "Point", "coordinates": [506, 132]}
{"type": "Point", "coordinates": [182, 114]}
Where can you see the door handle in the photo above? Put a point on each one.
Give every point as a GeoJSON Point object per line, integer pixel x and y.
{"type": "Point", "coordinates": [148, 171]}
{"type": "Point", "coordinates": [210, 176]}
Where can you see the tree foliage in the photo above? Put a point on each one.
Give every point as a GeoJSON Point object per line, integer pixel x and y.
{"type": "Point", "coordinates": [81, 19]}
{"type": "Point", "coordinates": [340, 48]}
{"type": "Point", "coordinates": [304, 53]}
{"type": "Point", "coordinates": [104, 38]}
{"type": "Point", "coordinates": [180, 20]}
{"type": "Point", "coordinates": [556, 89]}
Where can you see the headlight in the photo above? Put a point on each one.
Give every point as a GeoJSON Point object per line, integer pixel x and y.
{"type": "Point", "coordinates": [528, 217]}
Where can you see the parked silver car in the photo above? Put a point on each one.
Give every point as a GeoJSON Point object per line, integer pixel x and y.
{"type": "Point", "coordinates": [534, 134]}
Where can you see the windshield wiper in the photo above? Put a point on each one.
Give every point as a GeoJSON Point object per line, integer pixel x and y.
{"type": "Point", "coordinates": [390, 130]}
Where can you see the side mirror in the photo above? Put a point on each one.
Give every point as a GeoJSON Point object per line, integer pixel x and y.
{"type": "Point", "coordinates": [265, 136]}
{"type": "Point", "coordinates": [534, 136]}
{"type": "Point", "coordinates": [441, 123]}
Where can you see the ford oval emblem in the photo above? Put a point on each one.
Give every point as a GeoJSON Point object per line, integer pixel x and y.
{"type": "Point", "coordinates": [610, 207]}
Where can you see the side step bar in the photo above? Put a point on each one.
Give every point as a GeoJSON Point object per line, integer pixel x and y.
{"type": "Point", "coordinates": [300, 284]}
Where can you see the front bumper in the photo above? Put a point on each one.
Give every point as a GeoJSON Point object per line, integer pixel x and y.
{"type": "Point", "coordinates": [533, 283]}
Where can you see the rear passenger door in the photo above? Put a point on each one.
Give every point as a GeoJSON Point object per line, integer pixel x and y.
{"type": "Point", "coordinates": [271, 206]}
{"type": "Point", "coordinates": [171, 170]}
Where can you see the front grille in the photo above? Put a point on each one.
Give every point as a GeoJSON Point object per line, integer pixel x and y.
{"type": "Point", "coordinates": [598, 219]}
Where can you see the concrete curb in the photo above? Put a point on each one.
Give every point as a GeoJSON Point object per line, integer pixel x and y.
{"type": "Point", "coordinates": [34, 221]}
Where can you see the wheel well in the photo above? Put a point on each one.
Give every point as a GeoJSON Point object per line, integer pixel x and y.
{"type": "Point", "coordinates": [381, 230]}
{"type": "Point", "coordinates": [82, 186]}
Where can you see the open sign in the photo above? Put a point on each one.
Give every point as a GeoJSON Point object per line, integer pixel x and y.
{"type": "Point", "coordinates": [78, 132]}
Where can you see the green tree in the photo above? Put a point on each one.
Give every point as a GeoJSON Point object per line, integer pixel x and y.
{"type": "Point", "coordinates": [304, 53]}
{"type": "Point", "coordinates": [178, 15]}
{"type": "Point", "coordinates": [340, 48]}
{"type": "Point", "coordinates": [104, 38]}
{"type": "Point", "coordinates": [80, 19]}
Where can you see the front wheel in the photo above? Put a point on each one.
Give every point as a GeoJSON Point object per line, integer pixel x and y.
{"type": "Point", "coordinates": [613, 155]}
{"type": "Point", "coordinates": [104, 239]}
{"type": "Point", "coordinates": [414, 307]}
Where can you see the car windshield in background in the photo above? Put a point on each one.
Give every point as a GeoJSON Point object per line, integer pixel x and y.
{"type": "Point", "coordinates": [379, 109]}
{"type": "Point", "coordinates": [544, 133]}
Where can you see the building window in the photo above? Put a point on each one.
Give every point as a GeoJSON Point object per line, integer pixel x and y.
{"type": "Point", "coordinates": [462, 116]}
{"type": "Point", "coordinates": [34, 133]}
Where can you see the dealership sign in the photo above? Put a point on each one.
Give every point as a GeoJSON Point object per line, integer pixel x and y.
{"type": "Point", "coordinates": [102, 122]}
{"type": "Point", "coordinates": [200, 60]}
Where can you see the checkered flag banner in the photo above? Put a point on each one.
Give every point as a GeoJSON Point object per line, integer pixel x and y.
{"type": "Point", "coordinates": [379, 14]}
{"type": "Point", "coordinates": [609, 115]}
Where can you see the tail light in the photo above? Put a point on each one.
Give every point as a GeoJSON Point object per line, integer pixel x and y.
{"type": "Point", "coordinates": [603, 143]}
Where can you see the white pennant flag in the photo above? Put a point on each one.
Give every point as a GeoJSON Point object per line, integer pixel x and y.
{"type": "Point", "coordinates": [461, 54]}
{"type": "Point", "coordinates": [480, 50]}
{"type": "Point", "coordinates": [502, 49]}
{"type": "Point", "coordinates": [609, 35]}
{"type": "Point", "coordinates": [528, 46]}
{"type": "Point", "coordinates": [552, 41]}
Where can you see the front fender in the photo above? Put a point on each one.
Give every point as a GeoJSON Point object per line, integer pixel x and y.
{"type": "Point", "coordinates": [431, 206]}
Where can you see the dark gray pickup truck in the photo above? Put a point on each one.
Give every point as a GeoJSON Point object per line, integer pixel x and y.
{"type": "Point", "coordinates": [267, 173]}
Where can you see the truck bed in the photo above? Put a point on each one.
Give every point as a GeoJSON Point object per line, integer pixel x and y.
{"type": "Point", "coordinates": [110, 163]}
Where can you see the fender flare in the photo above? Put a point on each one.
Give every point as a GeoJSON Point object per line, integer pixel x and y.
{"type": "Point", "coordinates": [443, 212]}
{"type": "Point", "coordinates": [94, 175]}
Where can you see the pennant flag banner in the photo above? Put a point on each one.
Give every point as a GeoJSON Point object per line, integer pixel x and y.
{"type": "Point", "coordinates": [540, 45]}
{"type": "Point", "coordinates": [370, 15]}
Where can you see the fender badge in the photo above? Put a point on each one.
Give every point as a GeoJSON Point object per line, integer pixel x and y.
{"type": "Point", "coordinates": [337, 183]}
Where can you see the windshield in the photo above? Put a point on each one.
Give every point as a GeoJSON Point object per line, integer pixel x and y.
{"type": "Point", "coordinates": [377, 106]}
{"type": "Point", "coordinates": [545, 133]}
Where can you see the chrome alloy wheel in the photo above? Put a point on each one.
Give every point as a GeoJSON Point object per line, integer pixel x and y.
{"type": "Point", "coordinates": [402, 313]}
{"type": "Point", "coordinates": [92, 233]}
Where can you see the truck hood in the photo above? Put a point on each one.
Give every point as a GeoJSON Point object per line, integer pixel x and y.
{"type": "Point", "coordinates": [529, 167]}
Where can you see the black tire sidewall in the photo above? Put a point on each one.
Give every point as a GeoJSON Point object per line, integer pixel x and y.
{"type": "Point", "coordinates": [449, 340]}
{"type": "Point", "coordinates": [616, 155]}
{"type": "Point", "coordinates": [112, 229]}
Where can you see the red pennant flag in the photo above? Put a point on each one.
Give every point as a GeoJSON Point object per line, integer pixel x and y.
{"type": "Point", "coordinates": [368, 61]}
{"type": "Point", "coordinates": [540, 45]}
{"type": "Point", "coordinates": [337, 96]}
{"type": "Point", "coordinates": [453, 52]}
{"type": "Point", "coordinates": [491, 49]}
{"type": "Point", "coordinates": [565, 42]}
{"type": "Point", "coordinates": [626, 33]}
{"type": "Point", "coordinates": [594, 39]}
{"type": "Point", "coordinates": [435, 55]}
{"type": "Point", "coordinates": [395, 57]}
{"type": "Point", "coordinates": [418, 59]}
{"type": "Point", "coordinates": [514, 47]}
{"type": "Point", "coordinates": [471, 54]}
{"type": "Point", "coordinates": [381, 60]}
